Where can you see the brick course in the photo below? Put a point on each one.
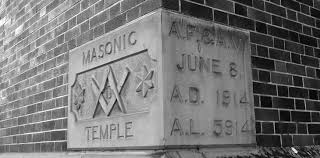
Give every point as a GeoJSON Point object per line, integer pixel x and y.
{"type": "Point", "coordinates": [37, 35]}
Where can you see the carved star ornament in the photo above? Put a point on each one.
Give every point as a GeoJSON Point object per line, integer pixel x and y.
{"type": "Point", "coordinates": [145, 81]}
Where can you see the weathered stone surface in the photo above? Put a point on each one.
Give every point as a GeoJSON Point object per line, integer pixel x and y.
{"type": "Point", "coordinates": [114, 89]}
{"type": "Point", "coordinates": [207, 83]}
{"type": "Point", "coordinates": [162, 81]}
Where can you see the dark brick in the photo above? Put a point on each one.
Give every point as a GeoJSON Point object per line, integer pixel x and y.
{"type": "Point", "coordinates": [60, 146]}
{"type": "Point", "coordinates": [296, 69]}
{"type": "Point", "coordinates": [258, 127]}
{"type": "Point", "coordinates": [133, 13]}
{"type": "Point", "coordinates": [53, 5]}
{"type": "Point", "coordinates": [115, 10]}
{"type": "Point", "coordinates": [295, 58]}
{"type": "Point", "coordinates": [281, 78]}
{"type": "Point", "coordinates": [293, 36]}
{"type": "Point", "coordinates": [318, 73]}
{"type": "Point", "coordinates": [58, 135]}
{"type": "Point", "coordinates": [259, 15]}
{"type": "Point", "coordinates": [284, 103]}
{"type": "Point", "coordinates": [285, 115]}
{"type": "Point", "coordinates": [279, 54]}
{"type": "Point", "coordinates": [99, 6]}
{"type": "Point", "coordinates": [170, 4]}
{"type": "Point", "coordinates": [261, 88]}
{"type": "Point", "coordinates": [306, 60]}
{"type": "Point", "coordinates": [297, 81]}
{"type": "Point", "coordinates": [302, 128]}
{"type": "Point", "coordinates": [268, 140]}
{"type": "Point", "coordinates": [302, 140]}
{"type": "Point", "coordinates": [108, 3]}
{"type": "Point", "coordinates": [298, 92]}
{"type": "Point", "coordinates": [294, 47]}
{"type": "Point", "coordinates": [311, 83]}
{"type": "Point", "coordinates": [267, 128]}
{"type": "Point", "coordinates": [266, 115]}
{"type": "Point", "coordinates": [291, 4]}
{"type": "Point", "coordinates": [305, 9]}
{"type": "Point", "coordinates": [313, 94]}
{"type": "Point", "coordinates": [127, 4]}
{"type": "Point", "coordinates": [98, 19]}
{"type": "Point", "coordinates": [261, 27]}
{"type": "Point", "coordinates": [84, 4]}
{"type": "Point", "coordinates": [294, 26]}
{"type": "Point", "coordinates": [279, 32]}
{"type": "Point", "coordinates": [256, 100]}
{"type": "Point", "coordinates": [98, 31]}
{"type": "Point", "coordinates": [72, 12]}
{"type": "Point", "coordinates": [306, 19]}
{"type": "Point", "coordinates": [149, 5]}
{"type": "Point", "coordinates": [241, 22]}
{"type": "Point", "coordinates": [286, 140]}
{"type": "Point", "coordinates": [84, 38]}
{"type": "Point", "coordinates": [283, 91]}
{"type": "Point", "coordinates": [115, 23]}
{"type": "Point", "coordinates": [318, 23]}
{"type": "Point", "coordinates": [60, 39]}
{"type": "Point", "coordinates": [306, 30]}
{"type": "Point", "coordinates": [85, 15]}
{"type": "Point", "coordinates": [300, 104]}
{"type": "Point", "coordinates": [317, 53]}
{"type": "Point", "coordinates": [308, 40]}
{"type": "Point", "coordinates": [275, 1]}
{"type": "Point", "coordinates": [263, 63]}
{"type": "Point", "coordinates": [315, 13]}
{"type": "Point", "coordinates": [315, 117]}
{"type": "Point", "coordinates": [316, 32]}
{"type": "Point", "coordinates": [196, 10]}
{"type": "Point", "coordinates": [276, 20]}
{"type": "Point", "coordinates": [240, 9]}
{"type": "Point", "coordinates": [259, 4]}
{"type": "Point", "coordinates": [311, 72]}
{"type": "Point", "coordinates": [225, 5]}
{"type": "Point", "coordinates": [272, 8]}
{"type": "Point", "coordinates": [292, 15]}
{"type": "Point", "coordinates": [261, 39]}
{"type": "Point", "coordinates": [308, 51]}
{"type": "Point", "coordinates": [316, 139]}
{"type": "Point", "coordinates": [220, 17]}
{"type": "Point", "coordinates": [278, 43]}
{"type": "Point", "coordinates": [266, 101]}
{"type": "Point", "coordinates": [84, 27]}
{"type": "Point", "coordinates": [246, 2]}
{"type": "Point", "coordinates": [307, 2]}
{"type": "Point", "coordinates": [72, 22]}
{"type": "Point", "coordinates": [285, 128]}
{"type": "Point", "coordinates": [253, 49]}
{"type": "Point", "coordinates": [312, 105]}
{"type": "Point", "coordinates": [264, 76]}
{"type": "Point", "coordinates": [299, 116]}
{"type": "Point", "coordinates": [198, 1]}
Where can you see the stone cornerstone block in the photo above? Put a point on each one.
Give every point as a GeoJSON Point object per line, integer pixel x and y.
{"type": "Point", "coordinates": [164, 80]}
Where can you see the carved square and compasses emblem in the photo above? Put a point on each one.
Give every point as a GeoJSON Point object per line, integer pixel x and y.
{"type": "Point", "coordinates": [108, 92]}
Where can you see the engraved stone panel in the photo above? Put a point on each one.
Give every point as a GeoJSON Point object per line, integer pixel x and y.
{"type": "Point", "coordinates": [160, 81]}
{"type": "Point", "coordinates": [207, 83]}
{"type": "Point", "coordinates": [114, 89]}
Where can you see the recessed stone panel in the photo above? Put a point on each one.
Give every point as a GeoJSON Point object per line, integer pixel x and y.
{"type": "Point", "coordinates": [207, 83]}
{"type": "Point", "coordinates": [160, 81]}
{"type": "Point", "coordinates": [114, 89]}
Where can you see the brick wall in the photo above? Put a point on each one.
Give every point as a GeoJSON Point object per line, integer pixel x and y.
{"type": "Point", "coordinates": [36, 36]}
{"type": "Point", "coordinates": [285, 46]}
